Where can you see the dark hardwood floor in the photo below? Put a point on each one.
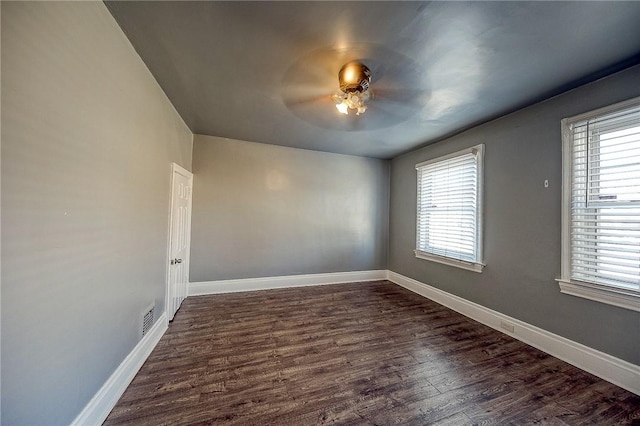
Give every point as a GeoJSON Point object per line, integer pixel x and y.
{"type": "Point", "coordinates": [365, 353]}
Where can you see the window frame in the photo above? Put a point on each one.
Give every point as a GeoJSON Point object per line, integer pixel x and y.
{"type": "Point", "coordinates": [478, 264]}
{"type": "Point", "coordinates": [609, 294]}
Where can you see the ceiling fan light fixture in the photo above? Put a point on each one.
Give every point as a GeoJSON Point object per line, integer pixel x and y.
{"type": "Point", "coordinates": [351, 100]}
{"type": "Point", "coordinates": [342, 107]}
{"type": "Point", "coordinates": [354, 78]}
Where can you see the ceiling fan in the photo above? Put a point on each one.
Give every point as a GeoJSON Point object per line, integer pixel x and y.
{"type": "Point", "coordinates": [334, 87]}
{"type": "Point", "coordinates": [354, 78]}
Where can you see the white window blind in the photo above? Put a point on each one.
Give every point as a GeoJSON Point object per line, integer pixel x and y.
{"type": "Point", "coordinates": [602, 201]}
{"type": "Point", "coordinates": [448, 219]}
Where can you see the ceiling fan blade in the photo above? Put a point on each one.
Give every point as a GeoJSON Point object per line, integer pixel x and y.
{"type": "Point", "coordinates": [399, 95]}
{"type": "Point", "coordinates": [294, 100]}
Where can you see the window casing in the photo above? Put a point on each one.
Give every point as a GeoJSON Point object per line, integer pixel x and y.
{"type": "Point", "coordinates": [601, 205]}
{"type": "Point", "coordinates": [449, 209]}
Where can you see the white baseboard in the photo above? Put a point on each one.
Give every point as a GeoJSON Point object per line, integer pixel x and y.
{"type": "Point", "coordinates": [607, 367]}
{"type": "Point", "coordinates": [97, 410]}
{"type": "Point", "coordinates": [252, 284]}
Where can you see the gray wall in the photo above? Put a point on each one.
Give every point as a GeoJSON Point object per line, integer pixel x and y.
{"type": "Point", "coordinates": [87, 141]}
{"type": "Point", "coordinates": [262, 210]}
{"type": "Point", "coordinates": [522, 222]}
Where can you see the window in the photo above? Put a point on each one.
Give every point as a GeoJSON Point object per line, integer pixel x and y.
{"type": "Point", "coordinates": [449, 211]}
{"type": "Point", "coordinates": [601, 205]}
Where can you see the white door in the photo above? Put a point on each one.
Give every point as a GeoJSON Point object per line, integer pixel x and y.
{"type": "Point", "coordinates": [179, 238]}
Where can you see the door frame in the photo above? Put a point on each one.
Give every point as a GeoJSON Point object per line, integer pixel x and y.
{"type": "Point", "coordinates": [177, 169]}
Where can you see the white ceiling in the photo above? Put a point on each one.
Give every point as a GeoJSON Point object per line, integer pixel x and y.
{"type": "Point", "coordinates": [264, 71]}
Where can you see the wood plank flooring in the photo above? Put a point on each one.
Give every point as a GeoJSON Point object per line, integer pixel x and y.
{"type": "Point", "coordinates": [361, 354]}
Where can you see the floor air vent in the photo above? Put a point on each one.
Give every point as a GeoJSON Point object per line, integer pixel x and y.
{"type": "Point", "coordinates": [147, 319]}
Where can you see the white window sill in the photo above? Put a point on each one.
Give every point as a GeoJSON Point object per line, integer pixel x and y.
{"type": "Point", "coordinates": [470, 266]}
{"type": "Point", "coordinates": [620, 297]}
